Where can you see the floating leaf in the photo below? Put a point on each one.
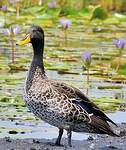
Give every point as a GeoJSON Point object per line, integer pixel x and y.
{"type": "Point", "coordinates": [99, 13]}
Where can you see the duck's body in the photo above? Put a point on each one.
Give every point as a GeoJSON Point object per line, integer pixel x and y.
{"type": "Point", "coordinates": [58, 104]}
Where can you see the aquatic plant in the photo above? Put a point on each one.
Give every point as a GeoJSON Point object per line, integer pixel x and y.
{"type": "Point", "coordinates": [120, 45]}
{"type": "Point", "coordinates": [4, 9]}
{"type": "Point", "coordinates": [12, 1]}
{"type": "Point", "coordinates": [65, 23]}
{"type": "Point", "coordinates": [53, 11]}
{"type": "Point", "coordinates": [52, 4]}
{"type": "Point", "coordinates": [86, 59]}
{"type": "Point", "coordinates": [98, 13]}
{"type": "Point", "coordinates": [11, 33]}
{"type": "Point", "coordinates": [17, 5]}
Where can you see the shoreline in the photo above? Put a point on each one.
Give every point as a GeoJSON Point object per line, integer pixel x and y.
{"type": "Point", "coordinates": [102, 142]}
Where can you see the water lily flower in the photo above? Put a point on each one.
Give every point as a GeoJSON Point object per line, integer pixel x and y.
{"type": "Point", "coordinates": [52, 4]}
{"type": "Point", "coordinates": [65, 23]}
{"type": "Point", "coordinates": [16, 30]}
{"type": "Point", "coordinates": [4, 8]}
{"type": "Point", "coordinates": [83, 56]}
{"type": "Point", "coordinates": [14, 1]}
{"type": "Point", "coordinates": [13, 30]}
{"type": "Point", "coordinates": [11, 33]}
{"type": "Point", "coordinates": [7, 32]}
{"type": "Point", "coordinates": [86, 58]}
{"type": "Point", "coordinates": [89, 56]}
{"type": "Point", "coordinates": [119, 43]}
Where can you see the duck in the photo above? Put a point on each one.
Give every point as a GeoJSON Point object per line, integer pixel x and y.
{"type": "Point", "coordinates": [58, 103]}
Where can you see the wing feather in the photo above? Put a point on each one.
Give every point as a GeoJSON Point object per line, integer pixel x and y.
{"type": "Point", "coordinates": [81, 100]}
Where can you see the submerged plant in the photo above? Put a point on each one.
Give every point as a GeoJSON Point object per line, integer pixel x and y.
{"type": "Point", "coordinates": [86, 58]}
{"type": "Point", "coordinates": [4, 9]}
{"type": "Point", "coordinates": [11, 33]}
{"type": "Point", "coordinates": [65, 23]}
{"type": "Point", "coordinates": [120, 45]}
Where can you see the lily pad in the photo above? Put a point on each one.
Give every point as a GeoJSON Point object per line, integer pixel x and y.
{"type": "Point", "coordinates": [19, 67]}
{"type": "Point", "coordinates": [99, 13]}
{"type": "Point", "coordinates": [109, 87]}
{"type": "Point", "coordinates": [108, 104]}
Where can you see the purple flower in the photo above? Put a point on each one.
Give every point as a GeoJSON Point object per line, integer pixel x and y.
{"type": "Point", "coordinates": [4, 8]}
{"type": "Point", "coordinates": [65, 23]}
{"type": "Point", "coordinates": [16, 30]}
{"type": "Point", "coordinates": [89, 56]}
{"type": "Point", "coordinates": [12, 31]}
{"type": "Point", "coordinates": [52, 4]}
{"type": "Point", "coordinates": [83, 56]}
{"type": "Point", "coordinates": [119, 43]}
{"type": "Point", "coordinates": [12, 1]}
{"type": "Point", "coordinates": [86, 56]}
{"type": "Point", "coordinates": [7, 32]}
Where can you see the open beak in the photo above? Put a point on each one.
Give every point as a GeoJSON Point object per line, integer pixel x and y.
{"type": "Point", "coordinates": [25, 40]}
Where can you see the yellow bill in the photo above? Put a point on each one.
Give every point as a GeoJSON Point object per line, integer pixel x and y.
{"type": "Point", "coordinates": [25, 40]}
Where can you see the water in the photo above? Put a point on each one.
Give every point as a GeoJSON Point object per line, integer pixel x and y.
{"type": "Point", "coordinates": [34, 128]}
{"type": "Point", "coordinates": [58, 54]}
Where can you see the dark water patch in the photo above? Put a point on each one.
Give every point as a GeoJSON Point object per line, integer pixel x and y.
{"type": "Point", "coordinates": [13, 132]}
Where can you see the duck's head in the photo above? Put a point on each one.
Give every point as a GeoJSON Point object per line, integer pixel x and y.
{"type": "Point", "coordinates": [35, 36]}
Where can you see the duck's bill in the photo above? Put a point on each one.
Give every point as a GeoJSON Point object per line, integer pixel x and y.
{"type": "Point", "coordinates": [25, 40]}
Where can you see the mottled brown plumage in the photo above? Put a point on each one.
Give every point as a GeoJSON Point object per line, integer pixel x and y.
{"type": "Point", "coordinates": [60, 105]}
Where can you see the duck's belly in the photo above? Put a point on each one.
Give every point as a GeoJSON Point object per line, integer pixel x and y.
{"type": "Point", "coordinates": [49, 114]}
{"type": "Point", "coordinates": [54, 115]}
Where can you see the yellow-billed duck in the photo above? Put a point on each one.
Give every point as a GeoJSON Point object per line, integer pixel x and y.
{"type": "Point", "coordinates": [59, 104]}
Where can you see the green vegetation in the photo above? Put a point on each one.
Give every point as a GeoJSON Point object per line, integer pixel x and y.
{"type": "Point", "coordinates": [15, 101]}
{"type": "Point", "coordinates": [109, 87]}
{"type": "Point", "coordinates": [63, 15]}
{"type": "Point", "coordinates": [108, 104]}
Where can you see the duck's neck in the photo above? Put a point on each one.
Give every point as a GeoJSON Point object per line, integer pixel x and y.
{"type": "Point", "coordinates": [37, 62]}
{"type": "Point", "coordinates": [36, 71]}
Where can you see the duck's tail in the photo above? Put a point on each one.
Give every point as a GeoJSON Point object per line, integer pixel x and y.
{"type": "Point", "coordinates": [102, 126]}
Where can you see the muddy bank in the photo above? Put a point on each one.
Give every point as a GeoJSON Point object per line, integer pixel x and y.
{"type": "Point", "coordinates": [100, 142]}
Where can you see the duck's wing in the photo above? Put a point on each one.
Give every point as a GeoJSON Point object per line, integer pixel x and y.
{"type": "Point", "coordinates": [98, 119]}
{"type": "Point", "coordinates": [91, 107]}
{"type": "Point", "coordinates": [81, 100]}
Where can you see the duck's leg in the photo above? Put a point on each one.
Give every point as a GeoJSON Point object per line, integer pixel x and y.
{"type": "Point", "coordinates": [59, 137]}
{"type": "Point", "coordinates": [69, 135]}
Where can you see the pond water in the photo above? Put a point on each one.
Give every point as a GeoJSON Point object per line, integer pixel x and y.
{"type": "Point", "coordinates": [63, 63]}
{"type": "Point", "coordinates": [17, 122]}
